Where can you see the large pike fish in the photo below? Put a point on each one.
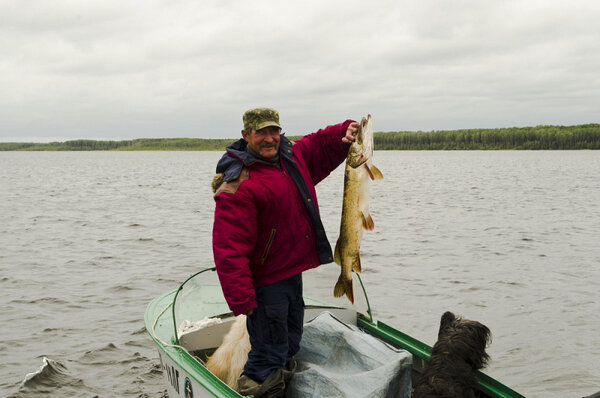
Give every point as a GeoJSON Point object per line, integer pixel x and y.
{"type": "Point", "coordinates": [355, 208]}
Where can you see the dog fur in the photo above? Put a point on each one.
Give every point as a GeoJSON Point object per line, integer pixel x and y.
{"type": "Point", "coordinates": [456, 356]}
{"type": "Point", "coordinates": [227, 362]}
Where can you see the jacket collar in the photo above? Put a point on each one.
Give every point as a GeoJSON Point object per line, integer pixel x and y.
{"type": "Point", "coordinates": [231, 163]}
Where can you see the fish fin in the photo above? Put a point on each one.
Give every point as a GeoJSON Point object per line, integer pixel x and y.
{"type": "Point", "coordinates": [367, 222]}
{"type": "Point", "coordinates": [356, 267]}
{"type": "Point", "coordinates": [369, 172]}
{"type": "Point", "coordinates": [374, 172]}
{"type": "Point", "coordinates": [337, 258]}
{"type": "Point", "coordinates": [344, 286]}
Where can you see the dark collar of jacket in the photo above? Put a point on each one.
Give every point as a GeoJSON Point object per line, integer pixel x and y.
{"type": "Point", "coordinates": [231, 163]}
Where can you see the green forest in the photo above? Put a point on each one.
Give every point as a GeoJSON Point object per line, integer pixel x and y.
{"type": "Point", "coordinates": [141, 144]}
{"type": "Point", "coordinates": [585, 136]}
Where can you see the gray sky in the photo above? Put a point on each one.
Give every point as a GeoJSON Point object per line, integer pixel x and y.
{"type": "Point", "coordinates": [108, 69]}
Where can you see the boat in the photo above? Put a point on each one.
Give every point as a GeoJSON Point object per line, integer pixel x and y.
{"type": "Point", "coordinates": [188, 324]}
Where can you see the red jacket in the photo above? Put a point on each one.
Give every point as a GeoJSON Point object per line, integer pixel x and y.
{"type": "Point", "coordinates": [264, 230]}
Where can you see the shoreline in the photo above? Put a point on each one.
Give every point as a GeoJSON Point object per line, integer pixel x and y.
{"type": "Point", "coordinates": [584, 136]}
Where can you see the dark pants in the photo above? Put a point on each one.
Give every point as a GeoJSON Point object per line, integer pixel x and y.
{"type": "Point", "coordinates": [275, 327]}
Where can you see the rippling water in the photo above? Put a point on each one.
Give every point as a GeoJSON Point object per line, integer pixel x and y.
{"type": "Point", "coordinates": [508, 238]}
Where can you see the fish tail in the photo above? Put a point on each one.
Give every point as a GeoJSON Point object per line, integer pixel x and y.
{"type": "Point", "coordinates": [344, 286]}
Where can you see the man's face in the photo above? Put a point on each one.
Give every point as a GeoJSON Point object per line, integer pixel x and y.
{"type": "Point", "coordinates": [264, 141]}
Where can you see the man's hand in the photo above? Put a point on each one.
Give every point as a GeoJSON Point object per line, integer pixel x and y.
{"type": "Point", "coordinates": [351, 131]}
{"type": "Point", "coordinates": [249, 312]}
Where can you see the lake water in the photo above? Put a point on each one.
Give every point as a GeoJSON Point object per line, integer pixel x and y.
{"type": "Point", "coordinates": [511, 239]}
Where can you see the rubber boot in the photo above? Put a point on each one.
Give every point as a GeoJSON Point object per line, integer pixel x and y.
{"type": "Point", "coordinates": [289, 370]}
{"type": "Point", "coordinates": [272, 387]}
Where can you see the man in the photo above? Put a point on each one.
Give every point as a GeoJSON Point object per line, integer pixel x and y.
{"type": "Point", "coordinates": [267, 231]}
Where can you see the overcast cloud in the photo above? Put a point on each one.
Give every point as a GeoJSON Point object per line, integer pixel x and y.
{"type": "Point", "coordinates": [104, 69]}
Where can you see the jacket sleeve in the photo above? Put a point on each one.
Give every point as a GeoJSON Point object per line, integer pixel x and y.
{"type": "Point", "coordinates": [234, 238]}
{"type": "Point", "coordinates": [324, 150]}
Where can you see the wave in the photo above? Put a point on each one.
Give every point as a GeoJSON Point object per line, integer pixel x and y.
{"type": "Point", "coordinates": [50, 375]}
{"type": "Point", "coordinates": [107, 355]}
{"type": "Point", "coordinates": [40, 300]}
{"type": "Point", "coordinates": [121, 289]}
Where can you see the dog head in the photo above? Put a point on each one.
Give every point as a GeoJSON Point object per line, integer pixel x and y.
{"type": "Point", "coordinates": [463, 340]}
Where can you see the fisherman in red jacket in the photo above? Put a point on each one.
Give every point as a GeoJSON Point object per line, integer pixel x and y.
{"type": "Point", "coordinates": [267, 231]}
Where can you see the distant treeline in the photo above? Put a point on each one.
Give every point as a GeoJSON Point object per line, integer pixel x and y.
{"type": "Point", "coordinates": [141, 144]}
{"type": "Point", "coordinates": [586, 136]}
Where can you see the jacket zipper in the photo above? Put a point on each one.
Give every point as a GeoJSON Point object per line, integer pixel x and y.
{"type": "Point", "coordinates": [268, 246]}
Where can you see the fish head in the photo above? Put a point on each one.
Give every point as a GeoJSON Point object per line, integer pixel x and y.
{"type": "Point", "coordinates": [361, 149]}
